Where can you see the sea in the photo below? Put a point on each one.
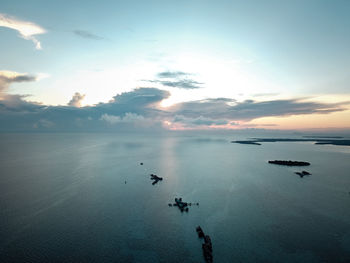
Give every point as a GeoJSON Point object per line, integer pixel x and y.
{"type": "Point", "coordinates": [85, 197]}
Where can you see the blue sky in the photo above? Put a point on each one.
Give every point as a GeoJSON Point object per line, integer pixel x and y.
{"type": "Point", "coordinates": [247, 52]}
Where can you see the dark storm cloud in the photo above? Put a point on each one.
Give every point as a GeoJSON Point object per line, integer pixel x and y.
{"type": "Point", "coordinates": [87, 34]}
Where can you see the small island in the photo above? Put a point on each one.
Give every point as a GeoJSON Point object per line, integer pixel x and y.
{"type": "Point", "coordinates": [290, 163]}
{"type": "Point", "coordinates": [302, 173]}
{"type": "Point", "coordinates": [247, 142]}
{"type": "Point", "coordinates": [155, 178]}
{"type": "Point", "coordinates": [183, 206]}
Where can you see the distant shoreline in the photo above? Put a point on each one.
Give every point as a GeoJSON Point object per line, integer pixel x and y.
{"type": "Point", "coordinates": [326, 137]}
{"type": "Point", "coordinates": [258, 141]}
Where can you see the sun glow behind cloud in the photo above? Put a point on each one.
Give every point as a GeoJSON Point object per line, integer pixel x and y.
{"type": "Point", "coordinates": [233, 78]}
{"type": "Point", "coordinates": [219, 77]}
{"type": "Point", "coordinates": [256, 73]}
{"type": "Point", "coordinates": [237, 78]}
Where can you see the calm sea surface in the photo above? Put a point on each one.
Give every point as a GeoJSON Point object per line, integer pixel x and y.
{"type": "Point", "coordinates": [63, 198]}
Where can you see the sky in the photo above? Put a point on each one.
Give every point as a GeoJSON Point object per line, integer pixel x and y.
{"type": "Point", "coordinates": [175, 65]}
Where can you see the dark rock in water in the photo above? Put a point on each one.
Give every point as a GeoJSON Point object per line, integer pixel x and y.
{"type": "Point", "coordinates": [207, 246]}
{"type": "Point", "coordinates": [141, 163]}
{"type": "Point", "coordinates": [302, 174]}
{"type": "Point", "coordinates": [183, 206]}
{"type": "Point", "coordinates": [207, 241]}
{"type": "Point", "coordinates": [290, 163]}
{"type": "Point", "coordinates": [200, 232]}
{"type": "Point", "coordinates": [155, 177]}
{"type": "Point", "coordinates": [208, 255]}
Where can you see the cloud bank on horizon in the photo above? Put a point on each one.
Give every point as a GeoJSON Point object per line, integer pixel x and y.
{"type": "Point", "coordinates": [141, 108]}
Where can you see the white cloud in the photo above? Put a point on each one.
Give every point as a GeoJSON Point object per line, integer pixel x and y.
{"type": "Point", "coordinates": [199, 121]}
{"type": "Point", "coordinates": [43, 123]}
{"type": "Point", "coordinates": [132, 117]}
{"type": "Point", "coordinates": [76, 100]}
{"type": "Point", "coordinates": [27, 30]}
{"type": "Point", "coordinates": [111, 119]}
{"type": "Point", "coordinates": [128, 118]}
